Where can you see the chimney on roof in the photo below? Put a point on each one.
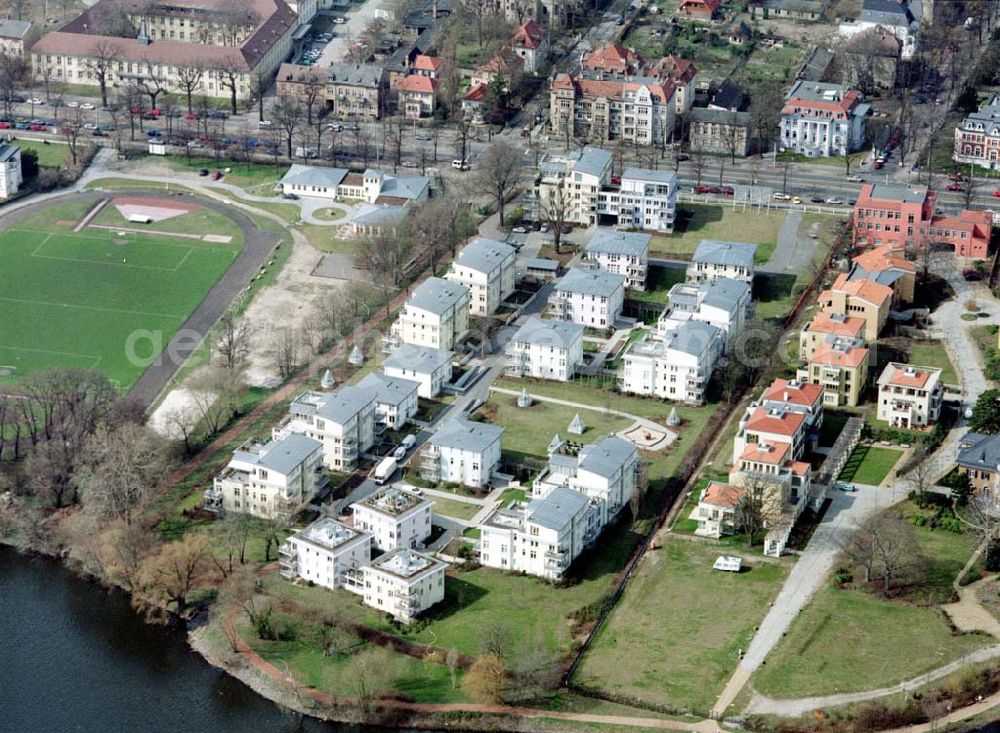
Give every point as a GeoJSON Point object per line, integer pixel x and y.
{"type": "Point", "coordinates": [143, 37]}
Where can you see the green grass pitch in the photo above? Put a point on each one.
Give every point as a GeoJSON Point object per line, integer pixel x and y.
{"type": "Point", "coordinates": [77, 299]}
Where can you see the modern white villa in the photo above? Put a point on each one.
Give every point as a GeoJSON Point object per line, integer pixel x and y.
{"type": "Point", "coordinates": [545, 349]}
{"type": "Point", "coordinates": [435, 315]}
{"type": "Point", "coordinates": [589, 297]}
{"type": "Point", "coordinates": [486, 268]}
{"type": "Point", "coordinates": [394, 518]}
{"type": "Point", "coordinates": [462, 452]}
{"type": "Point", "coordinates": [429, 368]}
{"type": "Point", "coordinates": [343, 421]}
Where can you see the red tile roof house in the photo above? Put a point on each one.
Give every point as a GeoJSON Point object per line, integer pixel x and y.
{"type": "Point", "coordinates": [472, 103]}
{"type": "Point", "coordinates": [531, 43]}
{"type": "Point", "coordinates": [258, 47]}
{"type": "Point", "coordinates": [698, 9]}
{"type": "Point", "coordinates": [614, 60]}
{"type": "Point", "coordinates": [417, 96]}
{"type": "Point", "coordinates": [429, 66]}
{"type": "Point", "coordinates": [716, 510]}
{"type": "Point", "coordinates": [506, 64]}
{"type": "Point", "coordinates": [903, 216]}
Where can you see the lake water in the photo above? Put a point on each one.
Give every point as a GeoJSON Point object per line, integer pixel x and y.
{"type": "Point", "coordinates": [74, 657]}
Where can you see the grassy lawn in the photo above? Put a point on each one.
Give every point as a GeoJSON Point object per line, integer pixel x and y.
{"type": "Point", "coordinates": [693, 419]}
{"type": "Point", "coordinates": [679, 625]}
{"type": "Point", "coordinates": [849, 640]}
{"type": "Point", "coordinates": [774, 295]}
{"type": "Point", "coordinates": [75, 299]}
{"type": "Point", "coordinates": [869, 465]}
{"type": "Point", "coordinates": [933, 354]}
{"type": "Point", "coordinates": [457, 509]}
{"type": "Point", "coordinates": [659, 280]}
{"type": "Point", "coordinates": [529, 430]}
{"type": "Point", "coordinates": [200, 221]}
{"type": "Point", "coordinates": [50, 155]}
{"type": "Point", "coordinates": [986, 340]}
{"type": "Point", "coordinates": [248, 176]}
{"type": "Point", "coordinates": [833, 423]}
{"type": "Point", "coordinates": [696, 222]}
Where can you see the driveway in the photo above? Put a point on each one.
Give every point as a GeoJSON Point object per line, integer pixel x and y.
{"type": "Point", "coordinates": [810, 572]}
{"type": "Point", "coordinates": [795, 250]}
{"type": "Point", "coordinates": [347, 33]}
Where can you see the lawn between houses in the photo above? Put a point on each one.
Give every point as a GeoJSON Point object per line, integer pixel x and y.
{"type": "Point", "coordinates": [869, 464]}
{"type": "Point", "coordinates": [696, 222]}
{"type": "Point", "coordinates": [850, 639]}
{"type": "Point", "coordinates": [673, 639]}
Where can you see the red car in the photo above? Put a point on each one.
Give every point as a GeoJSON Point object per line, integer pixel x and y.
{"type": "Point", "coordinates": [953, 187]}
{"type": "Point", "coordinates": [726, 190]}
{"type": "Point", "coordinates": [703, 189]}
{"type": "Point", "coordinates": [4, 125]}
{"type": "Point", "coordinates": [190, 116]}
{"type": "Point", "coordinates": [996, 194]}
{"type": "Point", "coordinates": [878, 165]}
{"type": "Point", "coordinates": [37, 128]}
{"type": "Point", "coordinates": [216, 175]}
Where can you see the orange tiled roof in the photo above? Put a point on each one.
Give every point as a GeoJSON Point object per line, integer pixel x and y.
{"type": "Point", "coordinates": [781, 422]}
{"type": "Point", "coordinates": [417, 84]}
{"type": "Point", "coordinates": [805, 394]}
{"type": "Point", "coordinates": [476, 94]}
{"type": "Point", "coordinates": [800, 468]}
{"type": "Point", "coordinates": [427, 63]}
{"type": "Point", "coordinates": [612, 58]}
{"type": "Point", "coordinates": [883, 258]}
{"type": "Point", "coordinates": [846, 103]}
{"type": "Point", "coordinates": [502, 61]}
{"type": "Point", "coordinates": [826, 323]}
{"type": "Point", "coordinates": [530, 35]}
{"type": "Point", "coordinates": [868, 290]}
{"type": "Point", "coordinates": [852, 357]}
{"type": "Point", "coordinates": [720, 494]}
{"type": "Point", "coordinates": [899, 377]}
{"type": "Point", "coordinates": [770, 453]}
{"type": "Point", "coordinates": [674, 68]}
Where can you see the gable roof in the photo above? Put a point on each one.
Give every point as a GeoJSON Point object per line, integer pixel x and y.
{"type": "Point", "coordinates": [612, 58]}
{"type": "Point", "coordinates": [867, 290]}
{"type": "Point", "coordinates": [720, 494]}
{"type": "Point", "coordinates": [358, 75]}
{"type": "Point", "coordinates": [530, 35]}
{"type": "Point", "coordinates": [476, 94]}
{"type": "Point", "coordinates": [423, 62]}
{"type": "Point", "coordinates": [286, 454]}
{"type": "Point", "coordinates": [979, 451]}
{"type": "Point", "coordinates": [776, 420]}
{"type": "Point", "coordinates": [417, 84]}
{"type": "Point", "coordinates": [773, 453]}
{"type": "Point", "coordinates": [314, 175]}
{"type": "Point", "coordinates": [793, 392]}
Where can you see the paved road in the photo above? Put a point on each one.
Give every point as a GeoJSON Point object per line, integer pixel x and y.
{"type": "Point", "coordinates": [795, 249]}
{"type": "Point", "coordinates": [810, 572]}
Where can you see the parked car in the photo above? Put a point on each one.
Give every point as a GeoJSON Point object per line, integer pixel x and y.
{"type": "Point", "coordinates": [409, 164]}
{"type": "Point", "coordinates": [203, 172]}
{"type": "Point", "coordinates": [682, 157]}
{"type": "Point", "coordinates": [520, 229]}
{"type": "Point", "coordinates": [878, 165]}
{"type": "Point", "coordinates": [4, 125]}
{"type": "Point", "coordinates": [972, 275]}
{"type": "Point", "coordinates": [340, 20]}
{"type": "Point", "coordinates": [195, 144]}
{"type": "Point", "coordinates": [36, 128]}
{"type": "Point", "coordinates": [796, 200]}
{"type": "Point", "coordinates": [87, 106]}
{"type": "Point", "coordinates": [726, 190]}
{"type": "Point", "coordinates": [816, 199]}
{"type": "Point", "coordinates": [855, 179]}
{"type": "Point", "coordinates": [400, 453]}
{"type": "Point", "coordinates": [36, 100]}
{"type": "Point", "coordinates": [834, 201]}
{"type": "Point", "coordinates": [702, 189]}
{"type": "Point", "coordinates": [290, 196]}
{"type": "Point", "coordinates": [779, 196]}
{"type": "Point", "coordinates": [844, 486]}
{"type": "Point", "coordinates": [953, 187]}
{"type": "Point", "coordinates": [191, 116]}
{"type": "Point", "coordinates": [152, 133]}
{"type": "Point", "coordinates": [996, 194]}
{"type": "Point", "coordinates": [566, 229]}
{"type": "Point", "coordinates": [544, 227]}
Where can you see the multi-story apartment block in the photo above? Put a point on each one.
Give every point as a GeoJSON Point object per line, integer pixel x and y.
{"type": "Point", "coordinates": [606, 472]}
{"type": "Point", "coordinates": [724, 132]}
{"type": "Point", "coordinates": [436, 315]}
{"type": "Point", "coordinates": [531, 42]}
{"type": "Point", "coordinates": [825, 326]}
{"type": "Point", "coordinates": [840, 367]}
{"type": "Point", "coordinates": [884, 266]}
{"type": "Point", "coordinates": [676, 367]}
{"type": "Point", "coordinates": [680, 73]}
{"type": "Point", "coordinates": [324, 552]}
{"type": "Point", "coordinates": [909, 396]}
{"type": "Point", "coordinates": [269, 480]}
{"type": "Point", "coordinates": [542, 538]}
{"type": "Point", "coordinates": [723, 303]}
{"type": "Point", "coordinates": [395, 399]}
{"type": "Point", "coordinates": [796, 396]}
{"type": "Point", "coordinates": [612, 61]}
{"type": "Point", "coordinates": [486, 268]}
{"type": "Point", "coordinates": [394, 518]}
{"type": "Point", "coordinates": [589, 297]}
{"type": "Point", "coordinates": [10, 170]}
{"type": "Point", "coordinates": [641, 199]}
{"type": "Point", "coordinates": [403, 583]}
{"type": "Point", "coordinates": [714, 259]}
{"type": "Point", "coordinates": [14, 37]}
{"type": "Point", "coordinates": [357, 90]}
{"type": "Point", "coordinates": [822, 119]}
{"type": "Point", "coordinates": [865, 299]}
{"type": "Point", "coordinates": [636, 109]}
{"type": "Point", "coordinates": [171, 36]}
{"type": "Point", "coordinates": [545, 349]}
{"type": "Point", "coordinates": [623, 253]}
{"type": "Point", "coordinates": [977, 137]}
{"type": "Point", "coordinates": [417, 96]}
{"type": "Point", "coordinates": [903, 217]}
{"type": "Point", "coordinates": [578, 178]}
{"type": "Point", "coordinates": [429, 368]}
{"type": "Point", "coordinates": [343, 421]}
{"type": "Point", "coordinates": [979, 459]}
{"type": "Point", "coordinates": [773, 426]}
{"type": "Point", "coordinates": [462, 452]}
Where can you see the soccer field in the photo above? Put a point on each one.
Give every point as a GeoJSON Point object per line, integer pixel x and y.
{"type": "Point", "coordinates": [80, 299]}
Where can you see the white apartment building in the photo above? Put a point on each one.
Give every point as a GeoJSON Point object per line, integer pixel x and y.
{"type": "Point", "coordinates": [429, 368]}
{"type": "Point", "coordinates": [462, 452]}
{"type": "Point", "coordinates": [623, 253]}
{"type": "Point", "coordinates": [644, 199]}
{"type": "Point", "coordinates": [676, 367]}
{"type": "Point", "coordinates": [820, 120]}
{"type": "Point", "coordinates": [909, 396]}
{"type": "Point", "coordinates": [714, 259]}
{"type": "Point", "coordinates": [796, 396]}
{"type": "Point", "coordinates": [592, 298]}
{"type": "Point", "coordinates": [542, 538]}
{"type": "Point", "coordinates": [580, 175]}
{"type": "Point", "coordinates": [343, 421]}
{"type": "Point", "coordinates": [606, 472]}
{"type": "Point", "coordinates": [772, 426]}
{"type": "Point", "coordinates": [10, 170]}
{"type": "Point", "coordinates": [269, 480]}
{"type": "Point", "coordinates": [486, 268]}
{"type": "Point", "coordinates": [436, 315]}
{"type": "Point", "coordinates": [723, 303]}
{"type": "Point", "coordinates": [395, 518]}
{"type": "Point", "coordinates": [545, 349]}
{"type": "Point", "coordinates": [395, 399]}
{"type": "Point", "coordinates": [403, 583]}
{"type": "Point", "coordinates": [324, 552]}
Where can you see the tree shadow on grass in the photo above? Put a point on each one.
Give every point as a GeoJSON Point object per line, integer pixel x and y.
{"type": "Point", "coordinates": [693, 220]}
{"type": "Point", "coordinates": [459, 594]}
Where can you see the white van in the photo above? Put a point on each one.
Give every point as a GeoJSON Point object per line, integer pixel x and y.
{"type": "Point", "coordinates": [460, 165]}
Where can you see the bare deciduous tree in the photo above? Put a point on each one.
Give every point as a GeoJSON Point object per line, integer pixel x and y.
{"type": "Point", "coordinates": [235, 338]}
{"type": "Point", "coordinates": [168, 578]}
{"type": "Point", "coordinates": [288, 115]}
{"type": "Point", "coordinates": [189, 79]}
{"type": "Point", "coordinates": [500, 174]}
{"type": "Point", "coordinates": [100, 61]}
{"type": "Point", "coordinates": [555, 210]}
